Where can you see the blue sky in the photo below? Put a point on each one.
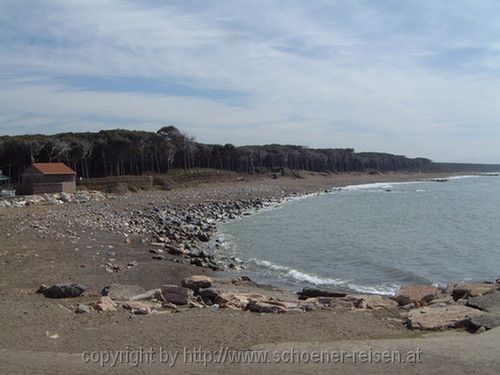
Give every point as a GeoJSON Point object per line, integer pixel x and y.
{"type": "Point", "coordinates": [407, 77]}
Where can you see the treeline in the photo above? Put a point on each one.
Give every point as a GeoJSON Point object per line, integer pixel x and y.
{"type": "Point", "coordinates": [124, 152]}
{"type": "Point", "coordinates": [468, 167]}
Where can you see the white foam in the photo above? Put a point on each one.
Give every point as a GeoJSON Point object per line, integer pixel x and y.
{"type": "Point", "coordinates": [270, 265]}
{"type": "Point", "coordinates": [382, 186]}
{"type": "Point", "coordinates": [390, 185]}
{"type": "Point", "coordinates": [465, 176]}
{"type": "Point", "coordinates": [388, 290]}
{"type": "Point", "coordinates": [301, 277]}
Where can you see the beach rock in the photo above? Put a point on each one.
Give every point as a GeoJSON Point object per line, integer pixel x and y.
{"type": "Point", "coordinates": [461, 291]}
{"type": "Point", "coordinates": [122, 292]}
{"type": "Point", "coordinates": [488, 302]}
{"type": "Point", "coordinates": [198, 262]}
{"type": "Point", "coordinates": [82, 308]}
{"type": "Point", "coordinates": [65, 197]}
{"type": "Point", "coordinates": [481, 329]}
{"type": "Point", "coordinates": [312, 304]}
{"type": "Point", "coordinates": [488, 321]}
{"type": "Point", "coordinates": [211, 296]}
{"type": "Point", "coordinates": [64, 291]}
{"type": "Point", "coordinates": [347, 302]}
{"type": "Point", "coordinates": [376, 303]}
{"type": "Point", "coordinates": [314, 292]}
{"type": "Point", "coordinates": [203, 237]}
{"type": "Point", "coordinates": [264, 307]}
{"type": "Point", "coordinates": [105, 303]}
{"type": "Point", "coordinates": [439, 318]}
{"type": "Point", "coordinates": [175, 250]}
{"type": "Point", "coordinates": [420, 295]}
{"type": "Point", "coordinates": [443, 299]}
{"type": "Point", "coordinates": [138, 308]}
{"type": "Point", "coordinates": [197, 282]}
{"type": "Point", "coordinates": [176, 294]}
{"type": "Point", "coordinates": [237, 301]}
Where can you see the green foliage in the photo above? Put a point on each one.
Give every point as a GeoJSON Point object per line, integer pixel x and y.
{"type": "Point", "coordinates": [113, 153]}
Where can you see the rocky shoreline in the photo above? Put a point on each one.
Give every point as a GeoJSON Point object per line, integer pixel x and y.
{"type": "Point", "coordinates": [181, 232]}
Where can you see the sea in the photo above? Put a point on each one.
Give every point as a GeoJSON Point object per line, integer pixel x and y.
{"type": "Point", "coordinates": [373, 238]}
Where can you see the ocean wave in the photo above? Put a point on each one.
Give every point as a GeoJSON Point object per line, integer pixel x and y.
{"type": "Point", "coordinates": [377, 186]}
{"type": "Point", "coordinates": [270, 265]}
{"type": "Point", "coordinates": [302, 277]}
{"type": "Point", "coordinates": [466, 176]}
{"type": "Point", "coordinates": [390, 185]}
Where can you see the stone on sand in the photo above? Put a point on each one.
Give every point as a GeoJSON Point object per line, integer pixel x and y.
{"type": "Point", "coordinates": [176, 294]}
{"type": "Point", "coordinates": [488, 321]}
{"type": "Point", "coordinates": [265, 307]}
{"type": "Point", "coordinates": [376, 303]}
{"type": "Point", "coordinates": [197, 282]}
{"type": "Point", "coordinates": [138, 308]}
{"type": "Point", "coordinates": [105, 303]}
{"type": "Point", "coordinates": [211, 296]}
{"type": "Point", "coordinates": [68, 290]}
{"type": "Point", "coordinates": [315, 292]}
{"type": "Point", "coordinates": [488, 302]}
{"type": "Point", "coordinates": [472, 290]}
{"type": "Point", "coordinates": [440, 318]}
{"type": "Point", "coordinates": [420, 295]}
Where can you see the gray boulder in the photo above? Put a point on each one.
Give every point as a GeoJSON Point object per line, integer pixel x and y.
{"type": "Point", "coordinates": [488, 321]}
{"type": "Point", "coordinates": [440, 318]}
{"type": "Point", "coordinates": [176, 294]}
{"type": "Point", "coordinates": [197, 282]}
{"type": "Point", "coordinates": [64, 291]}
{"type": "Point", "coordinates": [461, 291]}
{"type": "Point", "coordinates": [264, 307]}
{"type": "Point", "coordinates": [488, 302]}
{"type": "Point", "coordinates": [420, 295]}
{"type": "Point", "coordinates": [315, 292]}
{"type": "Point", "coordinates": [211, 296]}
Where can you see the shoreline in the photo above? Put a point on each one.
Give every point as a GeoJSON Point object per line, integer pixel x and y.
{"type": "Point", "coordinates": [115, 241]}
{"type": "Point", "coordinates": [294, 286]}
{"type": "Point", "coordinates": [211, 213]}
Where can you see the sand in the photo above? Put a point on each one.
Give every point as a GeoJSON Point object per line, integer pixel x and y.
{"type": "Point", "coordinates": [41, 335]}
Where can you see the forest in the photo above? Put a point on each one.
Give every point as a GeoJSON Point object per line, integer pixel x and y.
{"type": "Point", "coordinates": [126, 152]}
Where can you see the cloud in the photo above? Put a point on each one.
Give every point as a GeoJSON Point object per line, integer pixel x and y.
{"type": "Point", "coordinates": [414, 78]}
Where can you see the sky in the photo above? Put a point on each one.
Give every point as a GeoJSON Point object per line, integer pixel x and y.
{"type": "Point", "coordinates": [419, 78]}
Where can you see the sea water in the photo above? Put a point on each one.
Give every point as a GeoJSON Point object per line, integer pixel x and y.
{"type": "Point", "coordinates": [375, 237]}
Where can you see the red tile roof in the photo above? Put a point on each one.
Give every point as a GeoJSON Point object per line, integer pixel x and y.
{"type": "Point", "coordinates": [53, 168]}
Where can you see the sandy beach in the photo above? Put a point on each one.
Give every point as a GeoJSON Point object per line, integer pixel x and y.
{"type": "Point", "coordinates": [96, 245]}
